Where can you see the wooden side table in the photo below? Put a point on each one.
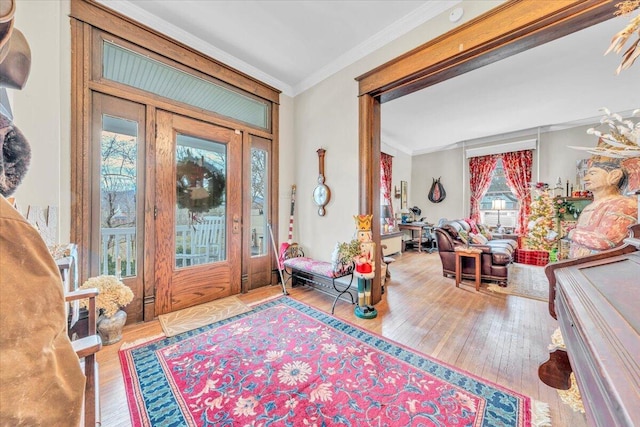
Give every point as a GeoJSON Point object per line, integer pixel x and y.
{"type": "Point", "coordinates": [469, 252]}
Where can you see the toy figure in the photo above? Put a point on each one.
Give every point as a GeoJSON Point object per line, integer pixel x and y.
{"type": "Point", "coordinates": [365, 267]}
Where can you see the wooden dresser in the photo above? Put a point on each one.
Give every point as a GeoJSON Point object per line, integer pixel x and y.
{"type": "Point", "coordinates": [597, 304]}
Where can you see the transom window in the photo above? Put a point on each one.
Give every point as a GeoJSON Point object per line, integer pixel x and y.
{"type": "Point", "coordinates": [142, 72]}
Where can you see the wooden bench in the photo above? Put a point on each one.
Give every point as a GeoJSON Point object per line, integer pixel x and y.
{"type": "Point", "coordinates": [304, 270]}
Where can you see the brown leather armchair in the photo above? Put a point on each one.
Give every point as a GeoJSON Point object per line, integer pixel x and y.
{"type": "Point", "coordinates": [497, 254]}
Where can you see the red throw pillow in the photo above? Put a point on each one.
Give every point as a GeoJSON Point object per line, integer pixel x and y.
{"type": "Point", "coordinates": [472, 225]}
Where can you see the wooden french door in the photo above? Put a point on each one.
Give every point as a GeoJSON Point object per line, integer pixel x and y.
{"type": "Point", "coordinates": [198, 230]}
{"type": "Point", "coordinates": [118, 151]}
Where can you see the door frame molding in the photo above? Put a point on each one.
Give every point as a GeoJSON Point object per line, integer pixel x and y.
{"type": "Point", "coordinates": [176, 286]}
{"type": "Point", "coordinates": [122, 108]}
{"type": "Point", "coordinates": [510, 28]}
{"type": "Point", "coordinates": [89, 20]}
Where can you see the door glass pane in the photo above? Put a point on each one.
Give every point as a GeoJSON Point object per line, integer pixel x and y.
{"type": "Point", "coordinates": [201, 176]}
{"type": "Point", "coordinates": [259, 205]}
{"type": "Point", "coordinates": [118, 196]}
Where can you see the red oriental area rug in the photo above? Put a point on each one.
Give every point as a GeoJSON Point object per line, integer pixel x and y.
{"type": "Point", "coordinates": [287, 364]}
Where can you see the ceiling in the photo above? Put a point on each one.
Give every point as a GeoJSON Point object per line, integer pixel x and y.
{"type": "Point", "coordinates": [290, 45]}
{"type": "Point", "coordinates": [557, 85]}
{"type": "Point", "coordinates": [293, 45]}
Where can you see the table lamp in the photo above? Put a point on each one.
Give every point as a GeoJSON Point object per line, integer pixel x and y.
{"type": "Point", "coordinates": [385, 214]}
{"type": "Point", "coordinates": [498, 205]}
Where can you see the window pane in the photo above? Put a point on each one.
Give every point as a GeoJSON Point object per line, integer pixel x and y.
{"type": "Point", "coordinates": [259, 205]}
{"type": "Point", "coordinates": [499, 190]}
{"type": "Point", "coordinates": [201, 175]}
{"type": "Point", "coordinates": [118, 196]}
{"type": "Point", "coordinates": [130, 68]}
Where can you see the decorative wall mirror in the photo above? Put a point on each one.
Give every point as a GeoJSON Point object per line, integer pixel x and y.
{"type": "Point", "coordinates": [403, 194]}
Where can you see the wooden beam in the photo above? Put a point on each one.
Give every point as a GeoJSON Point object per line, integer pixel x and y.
{"type": "Point", "coordinates": [369, 147]}
{"type": "Point", "coordinates": [508, 29]}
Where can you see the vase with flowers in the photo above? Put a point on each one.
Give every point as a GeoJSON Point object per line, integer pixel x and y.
{"type": "Point", "coordinates": [343, 256]}
{"type": "Point", "coordinates": [113, 296]}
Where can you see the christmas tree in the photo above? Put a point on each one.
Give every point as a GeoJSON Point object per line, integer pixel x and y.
{"type": "Point", "coordinates": [541, 221]}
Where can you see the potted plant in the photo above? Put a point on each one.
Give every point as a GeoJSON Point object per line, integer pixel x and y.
{"type": "Point", "coordinates": [112, 296]}
{"type": "Point", "coordinates": [344, 254]}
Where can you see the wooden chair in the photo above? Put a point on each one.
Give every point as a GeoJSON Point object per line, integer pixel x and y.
{"type": "Point", "coordinates": [87, 346]}
{"type": "Point", "coordinates": [208, 240]}
{"type": "Point", "coordinates": [86, 349]}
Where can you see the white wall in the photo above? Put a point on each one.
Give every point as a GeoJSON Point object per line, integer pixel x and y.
{"type": "Point", "coordinates": [552, 159]}
{"type": "Point", "coordinates": [327, 116]}
{"type": "Point", "coordinates": [42, 108]}
{"type": "Point", "coordinates": [287, 160]}
{"type": "Point", "coordinates": [558, 160]}
{"type": "Point", "coordinates": [448, 166]}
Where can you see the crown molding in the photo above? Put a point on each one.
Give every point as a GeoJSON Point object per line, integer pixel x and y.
{"type": "Point", "coordinates": [140, 15]}
{"type": "Point", "coordinates": [399, 28]}
{"type": "Point", "coordinates": [416, 18]}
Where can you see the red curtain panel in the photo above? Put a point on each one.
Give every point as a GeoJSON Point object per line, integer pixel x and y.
{"type": "Point", "coordinates": [386, 163]}
{"type": "Point", "coordinates": [517, 171]}
{"type": "Point", "coordinates": [480, 171]}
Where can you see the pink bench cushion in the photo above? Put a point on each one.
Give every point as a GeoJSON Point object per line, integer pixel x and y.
{"type": "Point", "coordinates": [321, 268]}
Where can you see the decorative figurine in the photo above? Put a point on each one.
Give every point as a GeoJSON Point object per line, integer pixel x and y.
{"type": "Point", "coordinates": [612, 172]}
{"type": "Point", "coordinates": [365, 269]}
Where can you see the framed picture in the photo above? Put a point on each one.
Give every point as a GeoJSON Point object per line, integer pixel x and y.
{"type": "Point", "coordinates": [403, 194]}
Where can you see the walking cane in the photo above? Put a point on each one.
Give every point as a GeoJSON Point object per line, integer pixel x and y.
{"type": "Point", "coordinates": [275, 251]}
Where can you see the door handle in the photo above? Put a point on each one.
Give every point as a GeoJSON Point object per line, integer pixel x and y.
{"type": "Point", "coordinates": [235, 228]}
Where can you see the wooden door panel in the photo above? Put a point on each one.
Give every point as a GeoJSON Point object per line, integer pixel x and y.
{"type": "Point", "coordinates": [118, 156]}
{"type": "Point", "coordinates": [197, 287]}
{"type": "Point", "coordinates": [164, 198]}
{"type": "Point", "coordinates": [183, 277]}
{"type": "Point", "coordinates": [258, 250]}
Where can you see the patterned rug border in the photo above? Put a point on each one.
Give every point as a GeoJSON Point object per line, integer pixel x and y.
{"type": "Point", "coordinates": [532, 412]}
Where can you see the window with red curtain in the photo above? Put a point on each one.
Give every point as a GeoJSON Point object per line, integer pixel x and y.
{"type": "Point", "coordinates": [386, 163]}
{"type": "Point", "coordinates": [480, 173]}
{"type": "Point", "coordinates": [504, 176]}
{"type": "Point", "coordinates": [517, 171]}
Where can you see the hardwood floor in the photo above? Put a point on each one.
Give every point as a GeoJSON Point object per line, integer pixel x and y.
{"type": "Point", "coordinates": [498, 337]}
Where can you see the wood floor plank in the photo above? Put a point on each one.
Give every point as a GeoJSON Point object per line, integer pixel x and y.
{"type": "Point", "coordinates": [499, 337]}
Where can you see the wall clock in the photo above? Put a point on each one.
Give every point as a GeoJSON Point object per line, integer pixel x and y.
{"type": "Point", "coordinates": [321, 194]}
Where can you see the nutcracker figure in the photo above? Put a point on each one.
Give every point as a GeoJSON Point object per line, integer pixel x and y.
{"type": "Point", "coordinates": [365, 267]}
